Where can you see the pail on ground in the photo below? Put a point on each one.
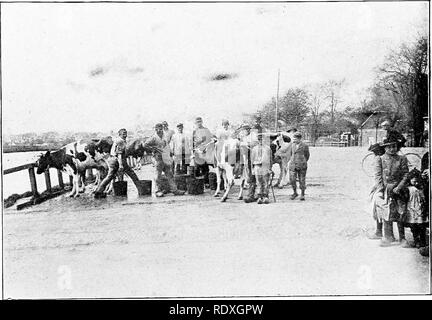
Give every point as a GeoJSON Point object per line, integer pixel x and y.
{"type": "Point", "coordinates": [120, 188]}
{"type": "Point", "coordinates": [181, 181]}
{"type": "Point", "coordinates": [195, 185]}
{"type": "Point", "coordinates": [144, 187]}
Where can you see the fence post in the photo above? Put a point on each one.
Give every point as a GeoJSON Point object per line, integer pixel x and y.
{"type": "Point", "coordinates": [60, 179]}
{"type": "Point", "coordinates": [48, 180]}
{"type": "Point", "coordinates": [33, 184]}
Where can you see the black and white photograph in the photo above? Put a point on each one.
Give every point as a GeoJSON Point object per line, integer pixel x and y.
{"type": "Point", "coordinates": [215, 150]}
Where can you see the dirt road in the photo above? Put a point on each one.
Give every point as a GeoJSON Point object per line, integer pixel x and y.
{"type": "Point", "coordinates": [198, 247]}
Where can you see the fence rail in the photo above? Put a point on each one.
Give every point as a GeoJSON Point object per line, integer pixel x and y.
{"type": "Point", "coordinates": [36, 196]}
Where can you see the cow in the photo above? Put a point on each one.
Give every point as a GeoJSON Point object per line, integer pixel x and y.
{"type": "Point", "coordinates": [280, 144]}
{"type": "Point", "coordinates": [75, 158]}
{"type": "Point", "coordinates": [230, 159]}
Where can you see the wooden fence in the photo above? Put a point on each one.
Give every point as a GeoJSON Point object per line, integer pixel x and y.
{"type": "Point", "coordinates": [50, 191]}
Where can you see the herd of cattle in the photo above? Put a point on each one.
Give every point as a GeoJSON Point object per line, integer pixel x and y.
{"type": "Point", "coordinates": [229, 157]}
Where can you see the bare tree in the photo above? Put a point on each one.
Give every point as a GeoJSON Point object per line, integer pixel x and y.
{"type": "Point", "coordinates": [404, 76]}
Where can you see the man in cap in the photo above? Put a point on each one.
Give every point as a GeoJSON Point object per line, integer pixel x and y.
{"type": "Point", "coordinates": [181, 149]}
{"type": "Point", "coordinates": [161, 152]}
{"type": "Point", "coordinates": [249, 141]}
{"type": "Point", "coordinates": [167, 132]}
{"type": "Point", "coordinates": [298, 165]}
{"type": "Point", "coordinates": [203, 149]}
{"type": "Point", "coordinates": [393, 134]}
{"type": "Point", "coordinates": [225, 132]}
{"type": "Point", "coordinates": [117, 164]}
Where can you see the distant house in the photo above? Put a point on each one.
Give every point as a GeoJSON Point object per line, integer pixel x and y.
{"type": "Point", "coordinates": [370, 136]}
{"type": "Point", "coordinates": [370, 132]}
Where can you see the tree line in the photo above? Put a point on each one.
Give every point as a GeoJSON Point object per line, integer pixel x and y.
{"type": "Point", "coordinates": [399, 94]}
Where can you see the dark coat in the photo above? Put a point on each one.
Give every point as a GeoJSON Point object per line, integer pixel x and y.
{"type": "Point", "coordinates": [299, 156]}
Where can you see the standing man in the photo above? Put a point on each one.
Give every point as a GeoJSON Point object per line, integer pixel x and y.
{"type": "Point", "coordinates": [225, 132]}
{"type": "Point", "coordinates": [162, 160]}
{"type": "Point", "coordinates": [298, 165]}
{"type": "Point", "coordinates": [203, 149]}
{"type": "Point", "coordinates": [181, 149]}
{"type": "Point", "coordinates": [261, 158]}
{"type": "Point", "coordinates": [117, 164]}
{"type": "Point", "coordinates": [249, 141]}
{"type": "Point", "coordinates": [393, 134]}
{"type": "Point", "coordinates": [167, 132]}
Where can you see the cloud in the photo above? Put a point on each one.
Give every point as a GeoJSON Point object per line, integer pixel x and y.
{"type": "Point", "coordinates": [98, 71]}
{"type": "Point", "coordinates": [116, 67]}
{"type": "Point", "coordinates": [223, 76]}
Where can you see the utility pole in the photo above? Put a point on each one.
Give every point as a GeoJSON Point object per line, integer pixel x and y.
{"type": "Point", "coordinates": [277, 103]}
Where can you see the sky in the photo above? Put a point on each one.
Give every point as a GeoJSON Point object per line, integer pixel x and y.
{"type": "Point", "coordinates": [100, 67]}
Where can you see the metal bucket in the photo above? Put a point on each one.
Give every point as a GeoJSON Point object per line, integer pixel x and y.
{"type": "Point", "coordinates": [181, 181]}
{"type": "Point", "coordinates": [144, 187]}
{"type": "Point", "coordinates": [195, 185]}
{"type": "Point", "coordinates": [120, 188]}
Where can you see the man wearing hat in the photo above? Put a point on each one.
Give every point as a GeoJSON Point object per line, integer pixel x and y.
{"type": "Point", "coordinates": [393, 134]}
{"type": "Point", "coordinates": [161, 152]}
{"type": "Point", "coordinates": [249, 141]}
{"type": "Point", "coordinates": [181, 149]}
{"type": "Point", "coordinates": [391, 176]}
{"type": "Point", "coordinates": [168, 133]}
{"type": "Point", "coordinates": [225, 132]}
{"type": "Point", "coordinates": [203, 149]}
{"type": "Point", "coordinates": [298, 165]}
{"type": "Point", "coordinates": [117, 164]}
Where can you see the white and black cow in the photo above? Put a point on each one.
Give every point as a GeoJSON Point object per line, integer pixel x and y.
{"type": "Point", "coordinates": [280, 146]}
{"type": "Point", "coordinates": [230, 159]}
{"type": "Point", "coordinates": [75, 158]}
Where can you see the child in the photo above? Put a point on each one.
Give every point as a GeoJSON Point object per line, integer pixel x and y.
{"type": "Point", "coordinates": [416, 215]}
{"type": "Point", "coordinates": [261, 161]}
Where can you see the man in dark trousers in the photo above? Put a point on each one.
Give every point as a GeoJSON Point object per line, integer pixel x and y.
{"type": "Point", "coordinates": [162, 160]}
{"type": "Point", "coordinates": [117, 164]}
{"type": "Point", "coordinates": [203, 149]}
{"type": "Point", "coordinates": [298, 165]}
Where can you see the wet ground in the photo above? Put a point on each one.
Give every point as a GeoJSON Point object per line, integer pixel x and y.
{"type": "Point", "coordinates": [195, 246]}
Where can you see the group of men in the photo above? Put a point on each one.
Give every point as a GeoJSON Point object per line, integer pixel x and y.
{"type": "Point", "coordinates": [175, 153]}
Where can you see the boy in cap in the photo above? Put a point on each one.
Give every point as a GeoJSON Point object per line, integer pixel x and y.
{"type": "Point", "coordinates": [162, 160]}
{"type": "Point", "coordinates": [298, 165]}
{"type": "Point", "coordinates": [261, 157]}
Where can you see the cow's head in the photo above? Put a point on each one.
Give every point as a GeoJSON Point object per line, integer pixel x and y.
{"type": "Point", "coordinates": [43, 162]}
